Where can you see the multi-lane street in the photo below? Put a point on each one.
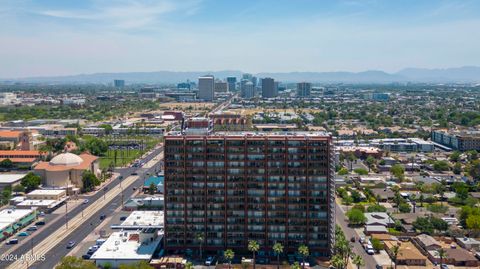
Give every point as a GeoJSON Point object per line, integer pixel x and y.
{"type": "Point", "coordinates": [58, 251]}
{"type": "Point", "coordinates": [349, 233]}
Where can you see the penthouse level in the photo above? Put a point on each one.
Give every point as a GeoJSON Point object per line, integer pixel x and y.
{"type": "Point", "coordinates": [234, 187]}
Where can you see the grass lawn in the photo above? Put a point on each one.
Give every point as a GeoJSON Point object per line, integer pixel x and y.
{"type": "Point", "coordinates": [123, 157]}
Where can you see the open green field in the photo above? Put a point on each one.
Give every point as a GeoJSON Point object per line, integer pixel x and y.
{"type": "Point", "coordinates": [123, 157]}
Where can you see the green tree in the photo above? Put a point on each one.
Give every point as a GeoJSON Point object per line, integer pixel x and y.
{"type": "Point", "coordinates": [398, 171]}
{"type": "Point", "coordinates": [337, 262]}
{"type": "Point", "coordinates": [356, 217]}
{"type": "Point", "coordinates": [376, 208]}
{"type": "Point", "coordinates": [152, 188]}
{"type": "Point", "coordinates": [303, 250]}
{"type": "Point", "coordinates": [343, 171]}
{"type": "Point", "coordinates": [370, 161]}
{"type": "Point", "coordinates": [360, 171]}
{"type": "Point", "coordinates": [200, 239]}
{"type": "Point", "coordinates": [395, 250]}
{"type": "Point", "coordinates": [404, 208]}
{"type": "Point", "coordinates": [377, 244]}
{"type": "Point", "coordinates": [474, 169]}
{"type": "Point", "coordinates": [18, 188]}
{"type": "Point", "coordinates": [455, 156]}
{"type": "Point", "coordinates": [457, 168]}
{"type": "Point", "coordinates": [278, 250]}
{"type": "Point", "coordinates": [89, 180]}
{"type": "Point", "coordinates": [189, 265]}
{"type": "Point", "coordinates": [72, 262]}
{"type": "Point", "coordinates": [6, 195]}
{"type": "Point", "coordinates": [253, 247]}
{"type": "Point", "coordinates": [441, 166]}
{"type": "Point", "coordinates": [229, 255]}
{"type": "Point", "coordinates": [473, 223]}
{"type": "Point", "coordinates": [295, 265]}
{"type": "Point", "coordinates": [108, 128]}
{"type": "Point", "coordinates": [96, 146]}
{"type": "Point", "coordinates": [31, 182]}
{"type": "Point", "coordinates": [358, 261]}
{"type": "Point", "coordinates": [6, 163]}
{"type": "Point", "coordinates": [442, 254]}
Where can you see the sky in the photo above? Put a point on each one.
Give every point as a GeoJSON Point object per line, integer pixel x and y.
{"type": "Point", "coordinates": [65, 37]}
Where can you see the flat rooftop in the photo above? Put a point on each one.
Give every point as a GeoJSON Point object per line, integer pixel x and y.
{"type": "Point", "coordinates": [9, 216]}
{"type": "Point", "coordinates": [144, 219]}
{"type": "Point", "coordinates": [10, 178]}
{"type": "Point", "coordinates": [126, 246]}
{"type": "Point", "coordinates": [255, 134]}
{"type": "Point", "coordinates": [47, 192]}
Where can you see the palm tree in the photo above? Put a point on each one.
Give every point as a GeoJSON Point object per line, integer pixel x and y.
{"type": "Point", "coordinates": [395, 249]}
{"type": "Point", "coordinates": [303, 250]}
{"type": "Point", "coordinates": [278, 249]}
{"type": "Point", "coordinates": [253, 246]}
{"type": "Point", "coordinates": [228, 255]}
{"type": "Point", "coordinates": [295, 265]}
{"type": "Point", "coordinates": [442, 254]}
{"type": "Point", "coordinates": [200, 238]}
{"type": "Point", "coordinates": [358, 261]}
{"type": "Point", "coordinates": [337, 262]}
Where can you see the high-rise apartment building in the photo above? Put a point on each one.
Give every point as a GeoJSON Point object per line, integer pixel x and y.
{"type": "Point", "coordinates": [236, 187]}
{"type": "Point", "coordinates": [268, 88]}
{"type": "Point", "coordinates": [248, 90]}
{"type": "Point", "coordinates": [206, 87]}
{"type": "Point", "coordinates": [119, 83]}
{"type": "Point", "coordinates": [232, 84]}
{"type": "Point", "coordinates": [304, 89]}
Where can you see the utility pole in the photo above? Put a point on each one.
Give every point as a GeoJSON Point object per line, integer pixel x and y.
{"type": "Point", "coordinates": [66, 214]}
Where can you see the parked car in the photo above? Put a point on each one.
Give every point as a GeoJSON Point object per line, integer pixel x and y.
{"type": "Point", "coordinates": [70, 244]}
{"type": "Point", "coordinates": [23, 234]}
{"type": "Point", "coordinates": [32, 228]}
{"type": "Point", "coordinates": [361, 239]}
{"type": "Point", "coordinates": [444, 266]}
{"type": "Point", "coordinates": [12, 241]}
{"type": "Point", "coordinates": [102, 217]}
{"type": "Point", "coordinates": [352, 239]}
{"type": "Point", "coordinates": [122, 218]}
{"type": "Point", "coordinates": [92, 249]}
{"type": "Point", "coordinates": [86, 256]}
{"type": "Point", "coordinates": [210, 261]}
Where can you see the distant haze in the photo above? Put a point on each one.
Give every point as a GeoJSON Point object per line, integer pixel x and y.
{"type": "Point", "coordinates": [64, 38]}
{"type": "Point", "coordinates": [467, 74]}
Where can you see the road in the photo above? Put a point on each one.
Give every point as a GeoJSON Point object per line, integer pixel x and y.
{"type": "Point", "coordinates": [349, 232]}
{"type": "Point", "coordinates": [55, 254]}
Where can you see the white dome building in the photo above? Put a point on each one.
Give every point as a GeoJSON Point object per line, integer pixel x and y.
{"type": "Point", "coordinates": [65, 170]}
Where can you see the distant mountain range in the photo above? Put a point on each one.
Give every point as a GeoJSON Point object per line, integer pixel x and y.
{"type": "Point", "coordinates": [467, 74]}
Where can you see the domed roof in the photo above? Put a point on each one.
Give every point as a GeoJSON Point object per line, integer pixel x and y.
{"type": "Point", "coordinates": [68, 159]}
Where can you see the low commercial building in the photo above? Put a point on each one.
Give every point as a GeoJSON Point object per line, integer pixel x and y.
{"type": "Point", "coordinates": [142, 219]}
{"type": "Point", "coordinates": [128, 247]}
{"type": "Point", "coordinates": [10, 180]}
{"type": "Point", "coordinates": [11, 220]}
{"type": "Point", "coordinates": [403, 145]}
{"type": "Point", "coordinates": [21, 157]}
{"type": "Point", "coordinates": [463, 140]}
{"type": "Point", "coordinates": [145, 203]}
{"type": "Point", "coordinates": [47, 194]}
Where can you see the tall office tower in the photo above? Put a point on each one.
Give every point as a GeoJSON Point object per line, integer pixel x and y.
{"type": "Point", "coordinates": [119, 83]}
{"type": "Point", "coordinates": [206, 86]}
{"type": "Point", "coordinates": [268, 88]}
{"type": "Point", "coordinates": [236, 187]}
{"type": "Point", "coordinates": [303, 89]}
{"type": "Point", "coordinates": [254, 81]}
{"type": "Point", "coordinates": [247, 76]}
{"type": "Point", "coordinates": [232, 84]}
{"type": "Point", "coordinates": [221, 86]}
{"type": "Point", "coordinates": [248, 90]}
